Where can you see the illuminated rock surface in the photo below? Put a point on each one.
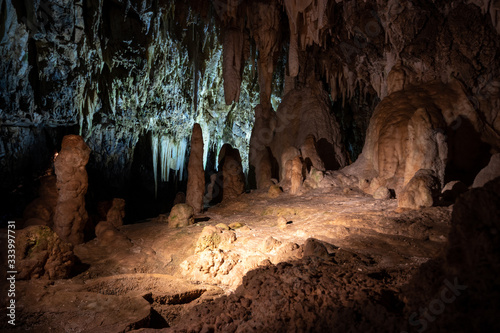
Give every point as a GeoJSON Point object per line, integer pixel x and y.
{"type": "Point", "coordinates": [70, 215]}
{"type": "Point", "coordinates": [196, 174]}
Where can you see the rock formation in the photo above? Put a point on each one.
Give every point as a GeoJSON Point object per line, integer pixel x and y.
{"type": "Point", "coordinates": [70, 215]}
{"type": "Point", "coordinates": [309, 152]}
{"type": "Point", "coordinates": [260, 156]}
{"type": "Point", "coordinates": [181, 215]}
{"type": "Point", "coordinates": [41, 254]}
{"type": "Point", "coordinates": [490, 172]}
{"type": "Point", "coordinates": [107, 231]}
{"type": "Point", "coordinates": [196, 174]}
{"type": "Point", "coordinates": [296, 175]}
{"type": "Point", "coordinates": [234, 57]}
{"type": "Point", "coordinates": [407, 132]}
{"type": "Point", "coordinates": [304, 112]}
{"type": "Point", "coordinates": [109, 235]}
{"type": "Point", "coordinates": [421, 191]}
{"type": "Point", "coordinates": [116, 212]}
{"type": "Point", "coordinates": [233, 179]}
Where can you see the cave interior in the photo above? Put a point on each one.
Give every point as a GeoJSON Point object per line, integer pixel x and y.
{"type": "Point", "coordinates": [250, 165]}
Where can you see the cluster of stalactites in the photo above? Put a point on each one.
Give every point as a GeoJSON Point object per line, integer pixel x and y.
{"type": "Point", "coordinates": [170, 154]}
{"type": "Point", "coordinates": [307, 20]}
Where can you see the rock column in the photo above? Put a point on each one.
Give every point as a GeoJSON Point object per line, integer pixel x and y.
{"type": "Point", "coordinates": [196, 174]}
{"type": "Point", "coordinates": [72, 182]}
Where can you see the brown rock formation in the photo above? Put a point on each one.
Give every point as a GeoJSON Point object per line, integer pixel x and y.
{"type": "Point", "coordinates": [287, 156]}
{"type": "Point", "coordinates": [264, 22]}
{"type": "Point", "coordinates": [181, 215]}
{"type": "Point", "coordinates": [72, 182]}
{"type": "Point", "coordinates": [407, 132]}
{"type": "Point", "coordinates": [305, 112]}
{"type": "Point", "coordinates": [41, 253]}
{"type": "Point", "coordinates": [234, 57]}
{"type": "Point", "coordinates": [296, 175]}
{"type": "Point", "coordinates": [116, 212]}
{"type": "Point", "coordinates": [196, 174]}
{"type": "Point", "coordinates": [488, 173]}
{"type": "Point", "coordinates": [259, 155]}
{"type": "Point", "coordinates": [232, 172]}
{"type": "Point", "coordinates": [421, 191]}
{"type": "Point", "coordinates": [309, 152]}
{"type": "Point", "coordinates": [109, 235]}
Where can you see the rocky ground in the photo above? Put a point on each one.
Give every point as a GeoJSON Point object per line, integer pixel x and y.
{"type": "Point", "coordinates": [278, 262]}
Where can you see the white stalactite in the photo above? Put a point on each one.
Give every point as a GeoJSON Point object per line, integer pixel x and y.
{"type": "Point", "coordinates": [154, 148]}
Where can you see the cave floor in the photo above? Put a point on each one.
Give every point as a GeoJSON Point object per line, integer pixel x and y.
{"type": "Point", "coordinates": [145, 281]}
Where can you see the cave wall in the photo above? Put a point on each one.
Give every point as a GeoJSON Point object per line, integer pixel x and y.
{"type": "Point", "coordinates": [113, 72]}
{"type": "Point", "coordinates": [121, 71]}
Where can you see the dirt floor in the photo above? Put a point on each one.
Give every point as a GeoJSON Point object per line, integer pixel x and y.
{"type": "Point", "coordinates": [364, 249]}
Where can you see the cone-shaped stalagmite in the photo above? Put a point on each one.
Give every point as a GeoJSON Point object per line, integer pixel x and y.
{"type": "Point", "coordinates": [72, 182]}
{"type": "Point", "coordinates": [196, 174]}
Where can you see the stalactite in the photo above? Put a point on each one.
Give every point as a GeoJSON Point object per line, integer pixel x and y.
{"type": "Point", "coordinates": [154, 148]}
{"type": "Point", "coordinates": [234, 42]}
{"type": "Point", "coordinates": [172, 157]}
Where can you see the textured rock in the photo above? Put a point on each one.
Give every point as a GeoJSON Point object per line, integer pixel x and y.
{"type": "Point", "coordinates": [270, 244]}
{"type": "Point", "coordinates": [313, 178]}
{"type": "Point", "coordinates": [426, 147]}
{"type": "Point", "coordinates": [421, 191]}
{"type": "Point", "coordinates": [304, 112]}
{"type": "Point", "coordinates": [309, 152]}
{"type": "Point", "coordinates": [287, 156]}
{"type": "Point", "coordinates": [313, 247]}
{"type": "Point", "coordinates": [40, 253]}
{"type": "Point", "coordinates": [490, 172]}
{"type": "Point", "coordinates": [407, 133]}
{"type": "Point", "coordinates": [297, 177]}
{"type": "Point", "coordinates": [196, 174]}
{"type": "Point", "coordinates": [213, 237]}
{"type": "Point", "coordinates": [274, 191]}
{"type": "Point", "coordinates": [382, 193]}
{"type": "Point", "coordinates": [108, 235]}
{"type": "Point", "coordinates": [181, 215]}
{"type": "Point", "coordinates": [232, 172]}
{"type": "Point", "coordinates": [233, 48]}
{"type": "Point", "coordinates": [264, 22]}
{"type": "Point", "coordinates": [116, 212]}
{"type": "Point", "coordinates": [473, 252]}
{"type": "Point", "coordinates": [70, 215]}
{"type": "Point", "coordinates": [316, 294]}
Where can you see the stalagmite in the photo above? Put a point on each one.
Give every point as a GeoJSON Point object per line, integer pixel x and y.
{"type": "Point", "coordinates": [426, 146]}
{"type": "Point", "coordinates": [296, 175]}
{"type": "Point", "coordinates": [264, 22]}
{"type": "Point", "coordinates": [309, 152]}
{"type": "Point", "coordinates": [232, 172]}
{"type": "Point", "coordinates": [259, 155]}
{"type": "Point", "coordinates": [70, 216]}
{"type": "Point", "coordinates": [196, 174]}
{"type": "Point", "coordinates": [305, 112]}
